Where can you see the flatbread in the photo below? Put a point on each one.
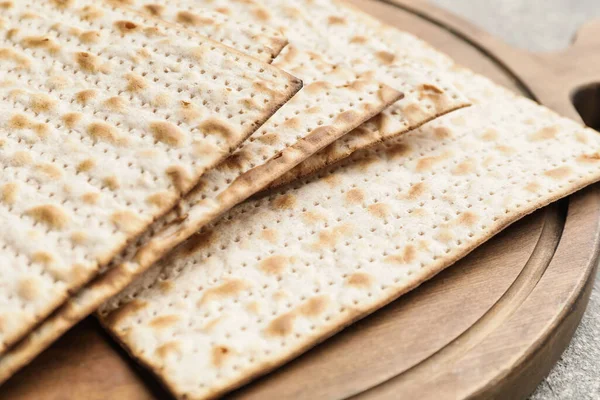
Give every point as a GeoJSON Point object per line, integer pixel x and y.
{"type": "Point", "coordinates": [107, 121]}
{"type": "Point", "coordinates": [472, 86]}
{"type": "Point", "coordinates": [280, 273]}
{"type": "Point", "coordinates": [363, 42]}
{"type": "Point", "coordinates": [266, 155]}
{"type": "Point", "coordinates": [333, 102]}
{"type": "Point", "coordinates": [332, 32]}
{"type": "Point", "coordinates": [259, 41]}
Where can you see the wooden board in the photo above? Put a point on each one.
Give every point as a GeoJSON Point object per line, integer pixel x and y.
{"type": "Point", "coordinates": [491, 326]}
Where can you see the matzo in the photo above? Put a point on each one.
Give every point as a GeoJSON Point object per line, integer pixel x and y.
{"type": "Point", "coordinates": [329, 31]}
{"type": "Point", "coordinates": [333, 102]}
{"type": "Point", "coordinates": [253, 39]}
{"type": "Point", "coordinates": [278, 274]}
{"type": "Point", "coordinates": [267, 155]}
{"type": "Point", "coordinates": [107, 121]}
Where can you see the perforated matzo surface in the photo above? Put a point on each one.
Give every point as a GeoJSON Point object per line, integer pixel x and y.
{"type": "Point", "coordinates": [370, 47]}
{"type": "Point", "coordinates": [278, 274]}
{"type": "Point", "coordinates": [252, 38]}
{"type": "Point", "coordinates": [334, 103]}
{"type": "Point", "coordinates": [107, 121]}
{"type": "Point", "coordinates": [220, 189]}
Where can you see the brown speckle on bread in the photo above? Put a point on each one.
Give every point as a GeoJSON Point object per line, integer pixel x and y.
{"type": "Point", "coordinates": [135, 83]}
{"type": "Point", "coordinates": [10, 192]}
{"type": "Point", "coordinates": [105, 132]}
{"type": "Point", "coordinates": [228, 289]}
{"type": "Point", "coordinates": [126, 27]}
{"type": "Point", "coordinates": [127, 221]}
{"type": "Point", "coordinates": [85, 96]}
{"type": "Point", "coordinates": [89, 62]}
{"type": "Point", "coordinates": [167, 133]}
{"type": "Point", "coordinates": [154, 9]}
{"type": "Point", "coordinates": [50, 215]}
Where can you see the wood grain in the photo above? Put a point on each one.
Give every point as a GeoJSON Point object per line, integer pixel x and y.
{"type": "Point", "coordinates": [489, 327]}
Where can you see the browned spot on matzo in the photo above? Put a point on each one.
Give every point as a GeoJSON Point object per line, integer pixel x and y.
{"type": "Point", "coordinates": [111, 182]}
{"type": "Point", "coordinates": [188, 18]}
{"type": "Point", "coordinates": [42, 103]}
{"type": "Point", "coordinates": [20, 158]}
{"type": "Point", "coordinates": [88, 62]}
{"type": "Point", "coordinates": [50, 170]}
{"type": "Point", "coordinates": [104, 131]}
{"type": "Point", "coordinates": [71, 119]}
{"type": "Point", "coordinates": [464, 168]}
{"type": "Point", "coordinates": [490, 135]}
{"type": "Point", "coordinates": [167, 133]}
{"type": "Point", "coordinates": [282, 325]}
{"type": "Point", "coordinates": [220, 355]}
{"type": "Point", "coordinates": [314, 306]}
{"type": "Point", "coordinates": [154, 9]}
{"type": "Point", "coordinates": [135, 83]}
{"type": "Point", "coordinates": [85, 96]}
{"type": "Point", "coordinates": [559, 173]}
{"type": "Point", "coordinates": [546, 133]}
{"type": "Point", "coordinates": [51, 215]}
{"type": "Point", "coordinates": [284, 202]}
{"type": "Point", "coordinates": [270, 235]}
{"type": "Point", "coordinates": [161, 199]}
{"type": "Point", "coordinates": [29, 288]}
{"type": "Point", "coordinates": [417, 190]}
{"type": "Point", "coordinates": [379, 210]}
{"type": "Point", "coordinates": [228, 289]}
{"type": "Point", "coordinates": [273, 265]}
{"type": "Point", "coordinates": [90, 37]}
{"type": "Point", "coordinates": [360, 279]}
{"type": "Point", "coordinates": [127, 221]}
{"type": "Point", "coordinates": [164, 321]}
{"type": "Point", "coordinates": [9, 192]}
{"type": "Point", "coordinates": [467, 218]}
{"type": "Point", "coordinates": [589, 158]}
{"type": "Point", "coordinates": [86, 165]}
{"type": "Point", "coordinates": [442, 132]}
{"type": "Point", "coordinates": [126, 27]}
{"type": "Point", "coordinates": [328, 238]}
{"type": "Point", "coordinates": [407, 256]}
{"type": "Point", "coordinates": [355, 196]}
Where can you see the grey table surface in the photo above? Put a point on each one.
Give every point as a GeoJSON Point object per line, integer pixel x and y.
{"type": "Point", "coordinates": [546, 25]}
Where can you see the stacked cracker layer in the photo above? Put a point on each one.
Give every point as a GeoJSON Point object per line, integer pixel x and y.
{"type": "Point", "coordinates": [213, 293]}
{"type": "Point", "coordinates": [346, 100]}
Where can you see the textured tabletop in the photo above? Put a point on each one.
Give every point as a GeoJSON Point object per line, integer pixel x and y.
{"type": "Point", "coordinates": [546, 25]}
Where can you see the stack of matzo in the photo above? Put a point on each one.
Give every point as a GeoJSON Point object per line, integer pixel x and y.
{"type": "Point", "coordinates": [336, 100]}
{"type": "Point", "coordinates": [280, 273]}
{"type": "Point", "coordinates": [108, 118]}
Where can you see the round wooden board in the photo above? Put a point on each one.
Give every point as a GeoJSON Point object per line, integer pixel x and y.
{"type": "Point", "coordinates": [491, 326]}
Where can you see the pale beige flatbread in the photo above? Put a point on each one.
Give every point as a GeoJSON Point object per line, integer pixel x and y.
{"type": "Point", "coordinates": [280, 273]}
{"type": "Point", "coordinates": [252, 38]}
{"type": "Point", "coordinates": [368, 134]}
{"type": "Point", "coordinates": [107, 121]}
{"type": "Point", "coordinates": [331, 31]}
{"type": "Point", "coordinates": [264, 157]}
{"type": "Point", "coordinates": [333, 103]}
